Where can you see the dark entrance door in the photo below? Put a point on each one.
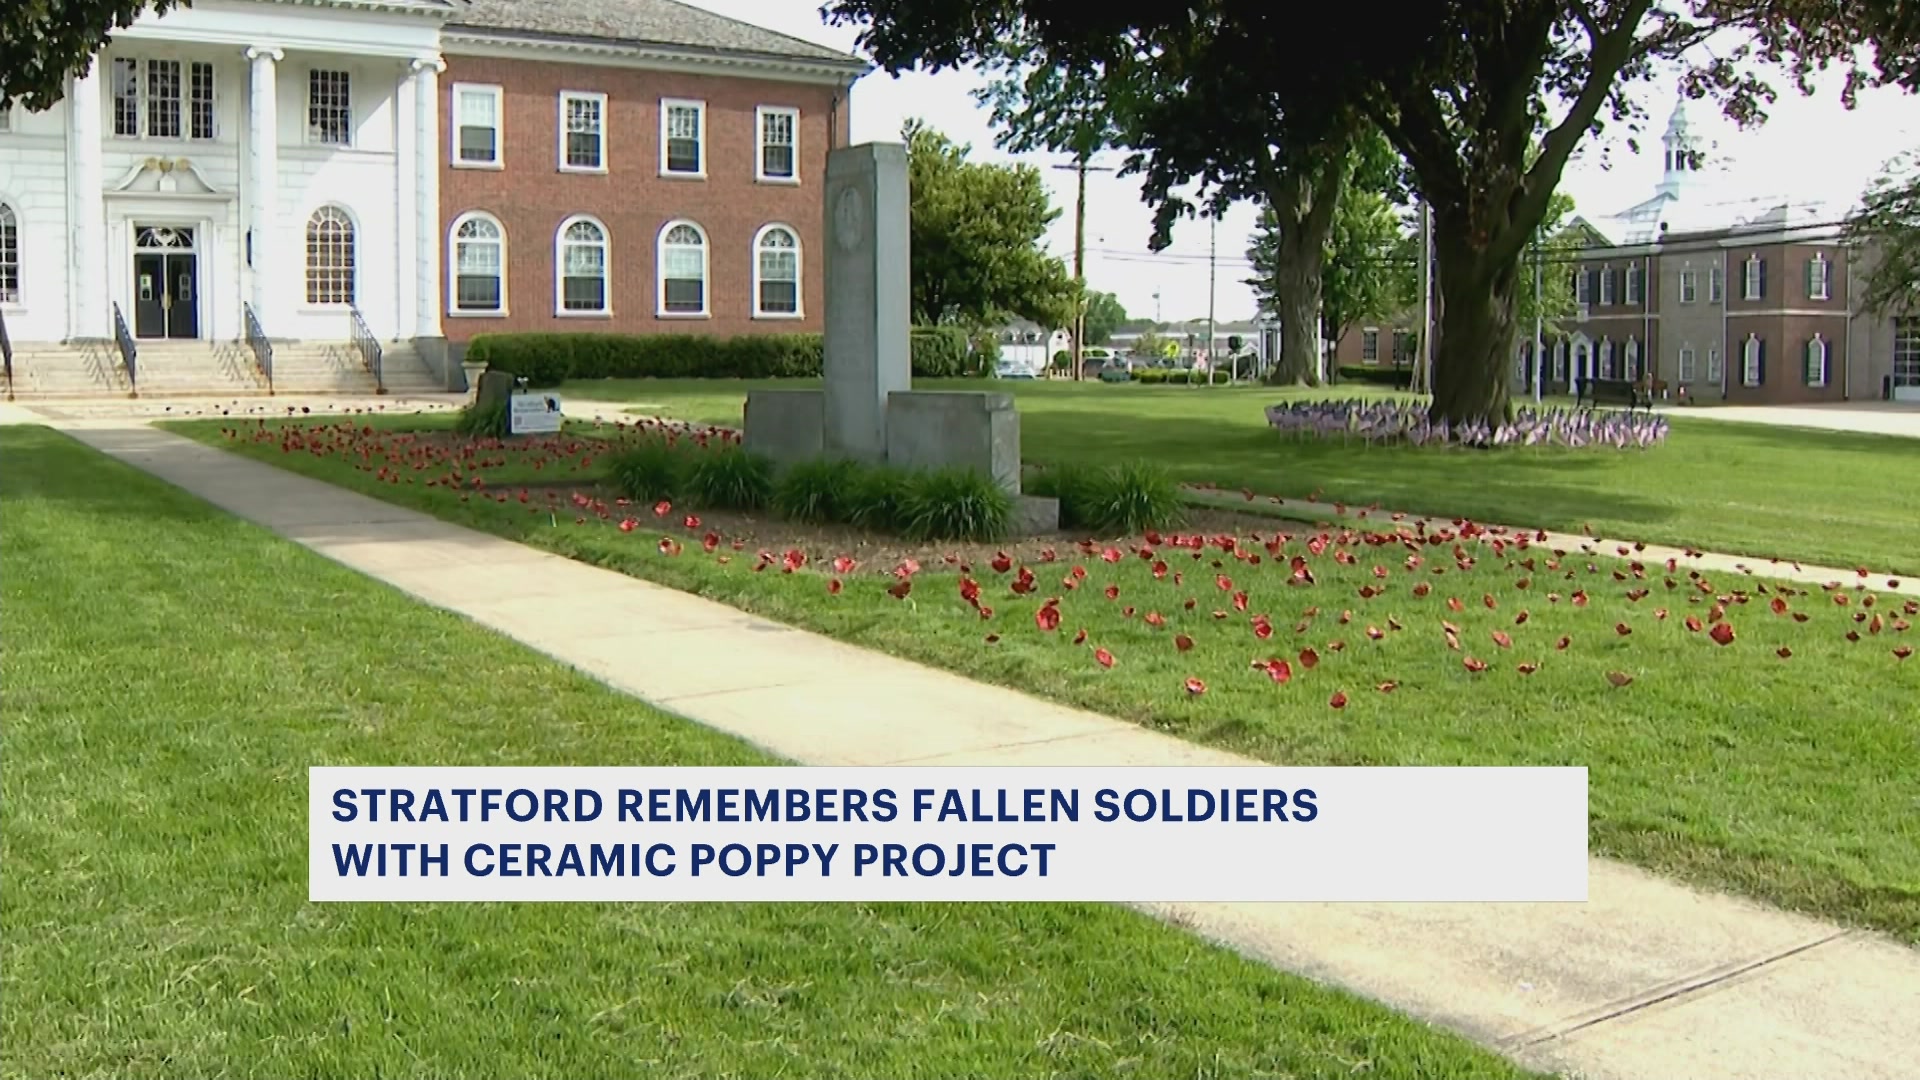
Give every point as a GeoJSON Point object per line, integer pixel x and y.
{"type": "Point", "coordinates": [166, 285]}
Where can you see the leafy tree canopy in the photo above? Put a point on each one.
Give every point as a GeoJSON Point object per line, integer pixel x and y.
{"type": "Point", "coordinates": [1887, 232]}
{"type": "Point", "coordinates": [1105, 316]}
{"type": "Point", "coordinates": [42, 42]}
{"type": "Point", "coordinates": [976, 232]}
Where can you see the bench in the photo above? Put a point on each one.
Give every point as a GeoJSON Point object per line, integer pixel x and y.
{"type": "Point", "coordinates": [1614, 392]}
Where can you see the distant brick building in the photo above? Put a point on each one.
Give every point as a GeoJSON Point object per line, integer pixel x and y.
{"type": "Point", "coordinates": [633, 166]}
{"type": "Point", "coordinates": [1707, 306]}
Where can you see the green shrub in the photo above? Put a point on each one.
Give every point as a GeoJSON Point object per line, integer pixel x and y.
{"type": "Point", "coordinates": [648, 471]}
{"type": "Point", "coordinates": [1114, 500]}
{"type": "Point", "coordinates": [872, 499]}
{"type": "Point", "coordinates": [549, 359]}
{"type": "Point", "coordinates": [814, 492]}
{"type": "Point", "coordinates": [1129, 499]}
{"type": "Point", "coordinates": [484, 422]}
{"type": "Point", "coordinates": [729, 478]}
{"type": "Point", "coordinates": [1063, 361]}
{"type": "Point", "coordinates": [954, 504]}
{"type": "Point", "coordinates": [940, 352]}
{"type": "Point", "coordinates": [1401, 378]}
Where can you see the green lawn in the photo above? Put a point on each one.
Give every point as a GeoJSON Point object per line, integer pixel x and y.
{"type": "Point", "coordinates": [1750, 489]}
{"type": "Point", "coordinates": [170, 675]}
{"type": "Point", "coordinates": [1787, 778]}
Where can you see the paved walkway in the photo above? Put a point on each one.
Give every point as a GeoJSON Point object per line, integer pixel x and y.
{"type": "Point", "coordinates": [1649, 980]}
{"type": "Point", "coordinates": [1867, 417]}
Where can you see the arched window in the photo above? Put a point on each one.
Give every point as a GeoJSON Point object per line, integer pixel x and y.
{"type": "Point", "coordinates": [1817, 361]}
{"type": "Point", "coordinates": [479, 265]}
{"type": "Point", "coordinates": [1606, 359]}
{"type": "Point", "coordinates": [776, 272]}
{"type": "Point", "coordinates": [683, 269]}
{"type": "Point", "coordinates": [583, 267]}
{"type": "Point", "coordinates": [330, 257]}
{"type": "Point", "coordinates": [1633, 358]}
{"type": "Point", "coordinates": [9, 256]}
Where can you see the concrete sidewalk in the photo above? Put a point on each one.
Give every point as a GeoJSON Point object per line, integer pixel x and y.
{"type": "Point", "coordinates": [1649, 980]}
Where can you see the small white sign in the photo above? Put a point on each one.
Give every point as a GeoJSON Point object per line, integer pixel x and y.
{"type": "Point", "coordinates": [533, 414]}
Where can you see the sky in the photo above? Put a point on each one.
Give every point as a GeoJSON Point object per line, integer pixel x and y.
{"type": "Point", "coordinates": [1811, 150]}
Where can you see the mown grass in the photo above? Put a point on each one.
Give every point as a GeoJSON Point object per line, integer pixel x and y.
{"type": "Point", "coordinates": [1820, 497]}
{"type": "Point", "coordinates": [1783, 777]}
{"type": "Point", "coordinates": [170, 675]}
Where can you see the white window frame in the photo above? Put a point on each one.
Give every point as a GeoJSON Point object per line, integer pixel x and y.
{"type": "Point", "coordinates": [1630, 360]}
{"type": "Point", "coordinates": [1715, 373]}
{"type": "Point", "coordinates": [1559, 361]}
{"type": "Point", "coordinates": [353, 259]}
{"type": "Point", "coordinates": [1583, 286]}
{"type": "Point", "coordinates": [1817, 349]}
{"type": "Point", "coordinates": [1606, 285]}
{"type": "Point", "coordinates": [183, 99]}
{"type": "Point", "coordinates": [12, 214]}
{"type": "Point", "coordinates": [1750, 372]}
{"type": "Point", "coordinates": [760, 144]}
{"type": "Point", "coordinates": [454, 310]}
{"type": "Point", "coordinates": [1688, 369]}
{"type": "Point", "coordinates": [499, 127]}
{"type": "Point", "coordinates": [1819, 277]}
{"type": "Point", "coordinates": [1689, 286]}
{"type": "Point", "coordinates": [1750, 278]}
{"type": "Point", "coordinates": [1716, 285]}
{"type": "Point", "coordinates": [599, 99]}
{"type": "Point", "coordinates": [660, 275]}
{"type": "Point", "coordinates": [667, 105]}
{"type": "Point", "coordinates": [1603, 360]}
{"type": "Point", "coordinates": [560, 245]}
{"type": "Point", "coordinates": [1633, 286]}
{"type": "Point", "coordinates": [353, 125]}
{"type": "Point", "coordinates": [1370, 345]}
{"type": "Point", "coordinates": [799, 273]}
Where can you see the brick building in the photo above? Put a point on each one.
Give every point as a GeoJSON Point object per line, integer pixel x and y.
{"type": "Point", "coordinates": [239, 191]}
{"type": "Point", "coordinates": [633, 166]}
{"type": "Point", "coordinates": [1705, 305]}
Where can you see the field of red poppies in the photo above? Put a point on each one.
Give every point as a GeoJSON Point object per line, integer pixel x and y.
{"type": "Point", "coordinates": [1743, 733]}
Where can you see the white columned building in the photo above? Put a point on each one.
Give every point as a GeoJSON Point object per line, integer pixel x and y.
{"type": "Point", "coordinates": [234, 154]}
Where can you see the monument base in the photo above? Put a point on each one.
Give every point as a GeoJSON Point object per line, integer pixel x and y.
{"type": "Point", "coordinates": [787, 426]}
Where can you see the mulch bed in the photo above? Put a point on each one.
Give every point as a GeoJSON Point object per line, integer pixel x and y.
{"type": "Point", "coordinates": [880, 553]}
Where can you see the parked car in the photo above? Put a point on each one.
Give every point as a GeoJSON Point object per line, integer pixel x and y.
{"type": "Point", "coordinates": [1014, 369]}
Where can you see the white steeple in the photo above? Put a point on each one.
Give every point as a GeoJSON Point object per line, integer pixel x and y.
{"type": "Point", "coordinates": [1682, 159]}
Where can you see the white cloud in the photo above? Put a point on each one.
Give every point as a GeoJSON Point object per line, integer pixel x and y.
{"type": "Point", "coordinates": [1811, 150]}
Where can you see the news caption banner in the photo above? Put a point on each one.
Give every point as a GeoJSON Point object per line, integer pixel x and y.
{"type": "Point", "coordinates": [948, 833]}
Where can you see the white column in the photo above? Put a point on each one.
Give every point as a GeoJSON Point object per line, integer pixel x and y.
{"type": "Point", "coordinates": [426, 199]}
{"type": "Point", "coordinates": [263, 182]}
{"type": "Point", "coordinates": [92, 315]}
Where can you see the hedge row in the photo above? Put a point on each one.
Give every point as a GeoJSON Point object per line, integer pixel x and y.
{"type": "Point", "coordinates": [1382, 376]}
{"type": "Point", "coordinates": [1182, 376]}
{"type": "Point", "coordinates": [549, 359]}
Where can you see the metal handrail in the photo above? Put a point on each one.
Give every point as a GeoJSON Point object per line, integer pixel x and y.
{"type": "Point", "coordinates": [129, 352]}
{"type": "Point", "coordinates": [368, 347]}
{"type": "Point", "coordinates": [6, 353]}
{"type": "Point", "coordinates": [257, 341]}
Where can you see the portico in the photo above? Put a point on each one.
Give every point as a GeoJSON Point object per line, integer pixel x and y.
{"type": "Point", "coordinates": [238, 157]}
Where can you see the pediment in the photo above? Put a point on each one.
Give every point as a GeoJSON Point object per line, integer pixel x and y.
{"type": "Point", "coordinates": [167, 176]}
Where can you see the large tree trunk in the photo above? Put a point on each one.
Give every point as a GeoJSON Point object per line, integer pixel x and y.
{"type": "Point", "coordinates": [1474, 349]}
{"type": "Point", "coordinates": [1302, 201]}
{"type": "Point", "coordinates": [1297, 294]}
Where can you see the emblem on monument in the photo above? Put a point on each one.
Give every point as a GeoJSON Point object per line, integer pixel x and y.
{"type": "Point", "coordinates": [849, 219]}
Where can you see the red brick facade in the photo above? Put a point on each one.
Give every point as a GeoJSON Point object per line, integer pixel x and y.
{"type": "Point", "coordinates": [531, 196]}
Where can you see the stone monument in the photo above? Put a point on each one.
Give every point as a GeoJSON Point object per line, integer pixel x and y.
{"type": "Point", "coordinates": [868, 410]}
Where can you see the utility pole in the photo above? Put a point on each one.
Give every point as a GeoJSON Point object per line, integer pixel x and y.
{"type": "Point", "coordinates": [1539, 334]}
{"type": "Point", "coordinates": [1423, 376]}
{"type": "Point", "coordinates": [1080, 168]}
{"type": "Point", "coordinates": [1213, 244]}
